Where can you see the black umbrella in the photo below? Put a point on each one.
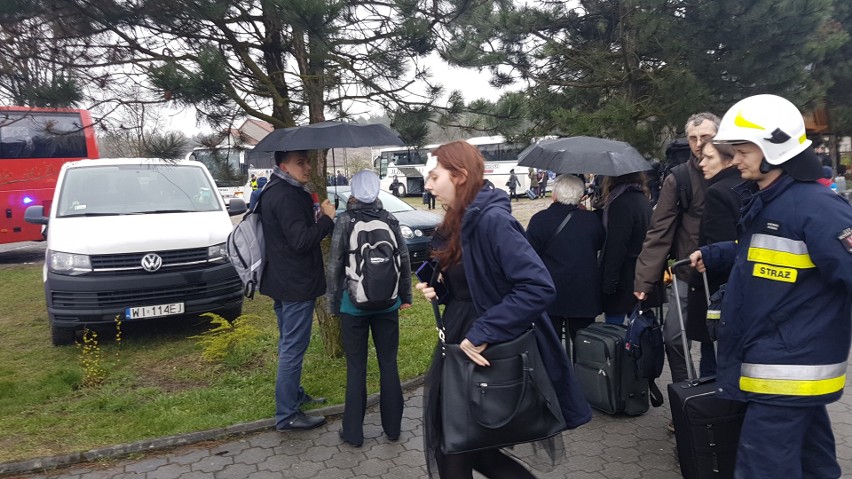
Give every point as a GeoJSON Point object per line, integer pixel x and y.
{"type": "Point", "coordinates": [328, 134]}
{"type": "Point", "coordinates": [584, 154]}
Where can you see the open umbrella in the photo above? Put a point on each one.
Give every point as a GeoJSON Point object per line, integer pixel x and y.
{"type": "Point", "coordinates": [328, 134]}
{"type": "Point", "coordinates": [584, 154]}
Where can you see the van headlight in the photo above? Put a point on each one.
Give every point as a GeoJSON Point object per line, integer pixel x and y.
{"type": "Point", "coordinates": [68, 263]}
{"type": "Point", "coordinates": [406, 232]}
{"type": "Point", "coordinates": [217, 252]}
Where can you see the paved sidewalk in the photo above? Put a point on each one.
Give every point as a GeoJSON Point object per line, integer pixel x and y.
{"type": "Point", "coordinates": [607, 448]}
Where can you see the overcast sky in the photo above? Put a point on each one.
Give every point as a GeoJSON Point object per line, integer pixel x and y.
{"type": "Point", "coordinates": [473, 85]}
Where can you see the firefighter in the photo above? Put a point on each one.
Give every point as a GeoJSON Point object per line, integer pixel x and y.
{"type": "Point", "coordinates": [785, 328]}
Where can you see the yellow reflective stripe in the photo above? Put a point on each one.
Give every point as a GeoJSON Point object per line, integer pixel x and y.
{"type": "Point", "coordinates": [792, 387]}
{"type": "Point", "coordinates": [779, 251]}
{"type": "Point", "coordinates": [714, 314]}
{"type": "Point", "coordinates": [780, 258]}
{"type": "Point", "coordinates": [740, 121]}
{"type": "Point", "coordinates": [803, 138]}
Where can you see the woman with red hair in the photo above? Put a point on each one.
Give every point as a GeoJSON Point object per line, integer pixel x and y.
{"type": "Point", "coordinates": [497, 288]}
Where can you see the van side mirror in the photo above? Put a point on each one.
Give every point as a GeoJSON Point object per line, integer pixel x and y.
{"type": "Point", "coordinates": [35, 215]}
{"type": "Point", "coordinates": [236, 207]}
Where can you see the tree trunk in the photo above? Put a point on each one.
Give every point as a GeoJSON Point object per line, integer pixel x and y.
{"type": "Point", "coordinates": [329, 326]}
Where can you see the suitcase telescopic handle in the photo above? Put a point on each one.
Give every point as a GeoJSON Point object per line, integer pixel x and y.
{"type": "Point", "coordinates": [690, 371]}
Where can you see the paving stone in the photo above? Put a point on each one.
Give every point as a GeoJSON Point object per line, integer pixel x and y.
{"type": "Point", "coordinates": [610, 447]}
{"type": "Point", "coordinates": [146, 465]}
{"type": "Point", "coordinates": [169, 471]}
{"type": "Point", "coordinates": [235, 471]}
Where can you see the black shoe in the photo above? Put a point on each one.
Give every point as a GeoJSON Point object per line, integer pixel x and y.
{"type": "Point", "coordinates": [353, 444]}
{"type": "Point", "coordinates": [393, 438]}
{"type": "Point", "coordinates": [311, 401]}
{"type": "Point", "coordinates": [302, 421]}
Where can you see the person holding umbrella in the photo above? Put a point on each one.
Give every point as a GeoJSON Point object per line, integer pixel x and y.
{"type": "Point", "coordinates": [294, 276]}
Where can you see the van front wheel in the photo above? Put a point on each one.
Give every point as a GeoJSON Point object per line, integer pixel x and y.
{"type": "Point", "coordinates": [62, 336]}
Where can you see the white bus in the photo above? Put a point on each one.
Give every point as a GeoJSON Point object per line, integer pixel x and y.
{"type": "Point", "coordinates": [406, 165]}
{"type": "Point", "coordinates": [229, 169]}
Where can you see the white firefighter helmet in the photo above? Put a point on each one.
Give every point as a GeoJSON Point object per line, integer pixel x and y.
{"type": "Point", "coordinates": [770, 122]}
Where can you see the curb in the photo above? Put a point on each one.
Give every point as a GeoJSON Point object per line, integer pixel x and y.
{"type": "Point", "coordinates": [148, 445]}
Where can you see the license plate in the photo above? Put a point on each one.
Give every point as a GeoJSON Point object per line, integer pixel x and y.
{"type": "Point", "coordinates": [153, 311]}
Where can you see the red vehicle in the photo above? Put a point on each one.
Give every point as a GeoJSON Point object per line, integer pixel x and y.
{"type": "Point", "coordinates": [34, 143]}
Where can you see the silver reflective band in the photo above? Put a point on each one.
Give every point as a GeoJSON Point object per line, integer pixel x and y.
{"type": "Point", "coordinates": [777, 243]}
{"type": "Point", "coordinates": [793, 372]}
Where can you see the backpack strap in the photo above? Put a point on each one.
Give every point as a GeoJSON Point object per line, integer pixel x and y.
{"type": "Point", "coordinates": [683, 181]}
{"type": "Point", "coordinates": [255, 209]}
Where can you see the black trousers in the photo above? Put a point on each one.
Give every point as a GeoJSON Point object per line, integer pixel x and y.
{"type": "Point", "coordinates": [561, 323]}
{"type": "Point", "coordinates": [355, 331]}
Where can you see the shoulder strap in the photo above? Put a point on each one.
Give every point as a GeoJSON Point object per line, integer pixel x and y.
{"type": "Point", "coordinates": [558, 230]}
{"type": "Point", "coordinates": [684, 186]}
{"type": "Point", "coordinates": [256, 208]}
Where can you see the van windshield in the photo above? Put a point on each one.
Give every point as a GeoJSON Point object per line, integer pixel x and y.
{"type": "Point", "coordinates": [136, 189]}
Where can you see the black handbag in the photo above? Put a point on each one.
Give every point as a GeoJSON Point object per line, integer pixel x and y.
{"type": "Point", "coordinates": [512, 401]}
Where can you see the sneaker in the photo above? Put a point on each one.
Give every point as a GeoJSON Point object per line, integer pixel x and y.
{"type": "Point", "coordinates": [670, 427]}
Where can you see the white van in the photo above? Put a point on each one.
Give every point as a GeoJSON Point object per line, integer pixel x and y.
{"type": "Point", "coordinates": [136, 238]}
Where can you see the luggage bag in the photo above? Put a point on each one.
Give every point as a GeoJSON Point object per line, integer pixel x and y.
{"type": "Point", "coordinates": [531, 195]}
{"type": "Point", "coordinates": [707, 428]}
{"type": "Point", "coordinates": [606, 373]}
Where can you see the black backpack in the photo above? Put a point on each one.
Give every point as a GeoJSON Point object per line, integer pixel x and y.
{"type": "Point", "coordinates": [677, 164]}
{"type": "Point", "coordinates": [373, 264]}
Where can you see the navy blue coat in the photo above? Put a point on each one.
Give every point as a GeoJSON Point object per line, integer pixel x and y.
{"type": "Point", "coordinates": [785, 330]}
{"type": "Point", "coordinates": [571, 258]}
{"type": "Point", "coordinates": [511, 289]}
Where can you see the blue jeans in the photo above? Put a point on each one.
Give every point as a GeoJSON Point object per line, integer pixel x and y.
{"type": "Point", "coordinates": [295, 319]}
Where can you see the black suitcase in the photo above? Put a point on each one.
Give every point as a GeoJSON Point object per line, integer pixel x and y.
{"type": "Point", "coordinates": [606, 373]}
{"type": "Point", "coordinates": [707, 428]}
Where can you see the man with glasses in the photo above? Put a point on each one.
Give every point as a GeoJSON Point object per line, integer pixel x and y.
{"type": "Point", "coordinates": [674, 233]}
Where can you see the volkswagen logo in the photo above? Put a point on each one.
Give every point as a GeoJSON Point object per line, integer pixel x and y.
{"type": "Point", "coordinates": [151, 262]}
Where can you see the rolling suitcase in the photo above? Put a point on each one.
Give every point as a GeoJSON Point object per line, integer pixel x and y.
{"type": "Point", "coordinates": [606, 373]}
{"type": "Point", "coordinates": [707, 428]}
{"type": "Point", "coordinates": [531, 195]}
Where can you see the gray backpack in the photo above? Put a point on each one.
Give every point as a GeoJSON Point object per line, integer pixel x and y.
{"type": "Point", "coordinates": [373, 266]}
{"type": "Point", "coordinates": [245, 248]}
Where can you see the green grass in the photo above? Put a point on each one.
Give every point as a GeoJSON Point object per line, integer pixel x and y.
{"type": "Point", "coordinates": [157, 383]}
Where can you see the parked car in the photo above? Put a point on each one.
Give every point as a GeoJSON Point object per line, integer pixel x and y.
{"type": "Point", "coordinates": [136, 238]}
{"type": "Point", "coordinates": [417, 226]}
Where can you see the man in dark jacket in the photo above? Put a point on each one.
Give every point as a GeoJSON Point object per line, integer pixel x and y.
{"type": "Point", "coordinates": [294, 224]}
{"type": "Point", "coordinates": [571, 256]}
{"type": "Point", "coordinates": [784, 332]}
{"type": "Point", "coordinates": [674, 230]}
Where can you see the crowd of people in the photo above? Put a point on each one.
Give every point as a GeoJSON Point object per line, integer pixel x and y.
{"type": "Point", "coordinates": [745, 208]}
